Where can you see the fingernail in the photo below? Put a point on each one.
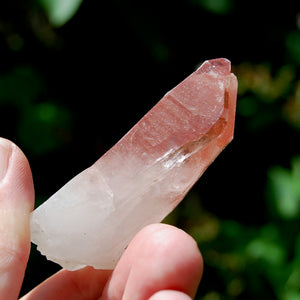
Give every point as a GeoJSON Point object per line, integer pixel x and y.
{"type": "Point", "coordinates": [4, 157]}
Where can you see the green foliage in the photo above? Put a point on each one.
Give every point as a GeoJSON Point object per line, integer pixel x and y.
{"type": "Point", "coordinates": [20, 87]}
{"type": "Point", "coordinates": [284, 189]}
{"type": "Point", "coordinates": [60, 12]}
{"type": "Point", "coordinates": [44, 126]}
{"type": "Point", "coordinates": [293, 46]}
{"type": "Point", "coordinates": [263, 96]}
{"type": "Point", "coordinates": [215, 6]}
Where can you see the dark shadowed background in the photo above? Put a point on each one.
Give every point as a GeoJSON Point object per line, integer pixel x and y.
{"type": "Point", "coordinates": [75, 76]}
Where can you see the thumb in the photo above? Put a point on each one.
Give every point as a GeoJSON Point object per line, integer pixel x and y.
{"type": "Point", "coordinates": [16, 202]}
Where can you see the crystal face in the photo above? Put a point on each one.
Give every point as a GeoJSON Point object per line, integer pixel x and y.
{"type": "Point", "coordinates": [140, 180]}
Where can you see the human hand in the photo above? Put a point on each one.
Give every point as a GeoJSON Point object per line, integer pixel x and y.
{"type": "Point", "coordinates": [161, 262]}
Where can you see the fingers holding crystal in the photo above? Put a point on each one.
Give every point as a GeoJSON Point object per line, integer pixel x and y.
{"type": "Point", "coordinates": [160, 257]}
{"type": "Point", "coordinates": [86, 283]}
{"type": "Point", "coordinates": [161, 262]}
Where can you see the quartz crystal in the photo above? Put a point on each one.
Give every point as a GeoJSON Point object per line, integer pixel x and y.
{"type": "Point", "coordinates": [140, 180]}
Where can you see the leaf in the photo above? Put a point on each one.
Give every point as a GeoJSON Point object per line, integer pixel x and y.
{"type": "Point", "coordinates": [267, 246]}
{"type": "Point", "coordinates": [284, 185]}
{"type": "Point", "coordinates": [60, 12]}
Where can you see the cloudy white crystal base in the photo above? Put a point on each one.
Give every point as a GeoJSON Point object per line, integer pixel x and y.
{"type": "Point", "coordinates": [91, 220]}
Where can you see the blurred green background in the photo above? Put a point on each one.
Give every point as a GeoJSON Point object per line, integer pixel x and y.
{"type": "Point", "coordinates": [76, 75]}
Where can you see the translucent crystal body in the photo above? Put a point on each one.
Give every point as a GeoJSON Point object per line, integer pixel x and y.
{"type": "Point", "coordinates": [140, 180]}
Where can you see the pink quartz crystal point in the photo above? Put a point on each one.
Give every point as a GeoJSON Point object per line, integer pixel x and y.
{"type": "Point", "coordinates": [195, 118]}
{"type": "Point", "coordinates": [140, 180]}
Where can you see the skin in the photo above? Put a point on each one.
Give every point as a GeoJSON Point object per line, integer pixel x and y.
{"type": "Point", "coordinates": [161, 262]}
